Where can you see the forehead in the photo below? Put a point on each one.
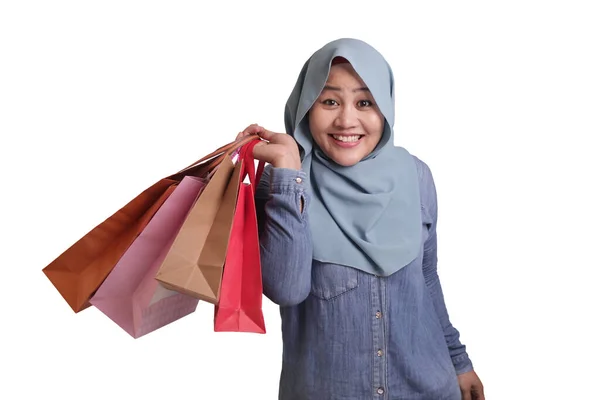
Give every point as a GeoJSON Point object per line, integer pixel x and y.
{"type": "Point", "coordinates": [344, 75]}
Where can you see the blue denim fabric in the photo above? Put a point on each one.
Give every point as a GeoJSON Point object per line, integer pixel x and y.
{"type": "Point", "coordinates": [348, 334]}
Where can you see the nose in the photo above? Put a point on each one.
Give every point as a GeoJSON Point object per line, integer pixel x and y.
{"type": "Point", "coordinates": [347, 117]}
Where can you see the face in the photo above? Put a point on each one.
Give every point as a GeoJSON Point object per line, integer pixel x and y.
{"type": "Point", "coordinates": [344, 121]}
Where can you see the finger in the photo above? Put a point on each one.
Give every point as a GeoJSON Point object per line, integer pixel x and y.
{"type": "Point", "coordinates": [477, 392]}
{"type": "Point", "coordinates": [268, 135]}
{"type": "Point", "coordinates": [253, 129]}
{"type": "Point", "coordinates": [466, 394]}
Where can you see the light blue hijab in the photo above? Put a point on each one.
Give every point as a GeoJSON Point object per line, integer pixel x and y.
{"type": "Point", "coordinates": [366, 216]}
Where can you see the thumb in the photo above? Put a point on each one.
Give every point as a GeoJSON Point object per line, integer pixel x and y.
{"type": "Point", "coordinates": [259, 152]}
{"type": "Point", "coordinates": [269, 135]}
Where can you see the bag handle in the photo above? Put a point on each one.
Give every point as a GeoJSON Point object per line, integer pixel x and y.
{"type": "Point", "coordinates": [212, 160]}
{"type": "Point", "coordinates": [237, 145]}
{"type": "Point", "coordinates": [247, 158]}
{"type": "Point", "coordinates": [207, 157]}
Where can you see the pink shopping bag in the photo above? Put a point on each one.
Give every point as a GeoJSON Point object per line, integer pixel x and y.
{"type": "Point", "coordinates": [130, 295]}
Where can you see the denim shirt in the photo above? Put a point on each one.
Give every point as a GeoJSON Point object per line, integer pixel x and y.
{"type": "Point", "coordinates": [348, 334]}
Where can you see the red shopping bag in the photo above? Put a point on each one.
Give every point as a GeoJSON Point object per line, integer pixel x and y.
{"type": "Point", "coordinates": [239, 308]}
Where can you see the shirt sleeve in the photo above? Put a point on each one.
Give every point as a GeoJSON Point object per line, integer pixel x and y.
{"type": "Point", "coordinates": [282, 200]}
{"type": "Point", "coordinates": [458, 353]}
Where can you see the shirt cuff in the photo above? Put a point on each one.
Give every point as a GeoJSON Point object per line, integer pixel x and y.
{"type": "Point", "coordinates": [286, 179]}
{"type": "Point", "coordinates": [462, 364]}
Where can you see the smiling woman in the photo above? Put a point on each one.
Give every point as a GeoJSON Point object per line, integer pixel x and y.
{"type": "Point", "coordinates": [345, 116]}
{"type": "Point", "coordinates": [349, 245]}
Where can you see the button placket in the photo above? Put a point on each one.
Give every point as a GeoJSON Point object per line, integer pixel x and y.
{"type": "Point", "coordinates": [378, 326]}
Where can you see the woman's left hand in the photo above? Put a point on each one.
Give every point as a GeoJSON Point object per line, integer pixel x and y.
{"type": "Point", "coordinates": [470, 386]}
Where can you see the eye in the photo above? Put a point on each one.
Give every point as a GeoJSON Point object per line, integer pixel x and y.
{"type": "Point", "coordinates": [330, 102]}
{"type": "Point", "coordinates": [365, 103]}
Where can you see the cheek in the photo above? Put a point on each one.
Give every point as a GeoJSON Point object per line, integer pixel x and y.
{"type": "Point", "coordinates": [318, 122]}
{"type": "Point", "coordinates": [375, 125]}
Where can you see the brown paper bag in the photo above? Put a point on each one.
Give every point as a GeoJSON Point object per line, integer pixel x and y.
{"type": "Point", "coordinates": [78, 271]}
{"type": "Point", "coordinates": [194, 264]}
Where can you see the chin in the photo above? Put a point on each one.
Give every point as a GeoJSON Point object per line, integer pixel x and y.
{"type": "Point", "coordinates": [346, 161]}
{"type": "Point", "coordinates": [345, 157]}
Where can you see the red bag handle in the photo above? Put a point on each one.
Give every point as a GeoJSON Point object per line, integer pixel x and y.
{"type": "Point", "coordinates": [247, 160]}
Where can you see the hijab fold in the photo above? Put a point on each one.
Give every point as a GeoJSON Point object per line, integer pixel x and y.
{"type": "Point", "coordinates": [366, 216]}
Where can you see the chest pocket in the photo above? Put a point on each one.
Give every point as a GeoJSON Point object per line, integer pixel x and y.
{"type": "Point", "coordinates": [331, 280]}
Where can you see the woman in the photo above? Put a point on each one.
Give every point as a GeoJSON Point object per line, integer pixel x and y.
{"type": "Point", "coordinates": [348, 243]}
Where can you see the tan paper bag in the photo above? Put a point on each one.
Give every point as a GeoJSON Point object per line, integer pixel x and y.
{"type": "Point", "coordinates": [194, 264]}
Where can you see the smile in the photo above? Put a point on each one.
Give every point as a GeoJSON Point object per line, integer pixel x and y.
{"type": "Point", "coordinates": [346, 141]}
{"type": "Point", "coordinates": [347, 138]}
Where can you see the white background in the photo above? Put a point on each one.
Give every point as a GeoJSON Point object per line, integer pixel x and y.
{"type": "Point", "coordinates": [98, 100]}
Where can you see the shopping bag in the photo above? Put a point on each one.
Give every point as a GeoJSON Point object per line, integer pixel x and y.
{"type": "Point", "coordinates": [130, 296]}
{"type": "Point", "coordinates": [240, 303]}
{"type": "Point", "coordinates": [194, 264]}
{"type": "Point", "coordinates": [78, 271]}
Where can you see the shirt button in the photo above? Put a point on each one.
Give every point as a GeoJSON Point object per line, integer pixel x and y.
{"type": "Point", "coordinates": [379, 353]}
{"type": "Point", "coordinates": [380, 391]}
{"type": "Point", "coordinates": [298, 180]}
{"type": "Point", "coordinates": [378, 314]}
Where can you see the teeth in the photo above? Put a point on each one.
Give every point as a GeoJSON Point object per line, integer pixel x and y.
{"type": "Point", "coordinates": [342, 138]}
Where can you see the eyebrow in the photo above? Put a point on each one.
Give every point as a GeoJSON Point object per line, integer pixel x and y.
{"type": "Point", "coordinates": [337, 89]}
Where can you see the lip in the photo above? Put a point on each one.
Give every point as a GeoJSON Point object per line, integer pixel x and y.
{"type": "Point", "coordinates": [346, 145]}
